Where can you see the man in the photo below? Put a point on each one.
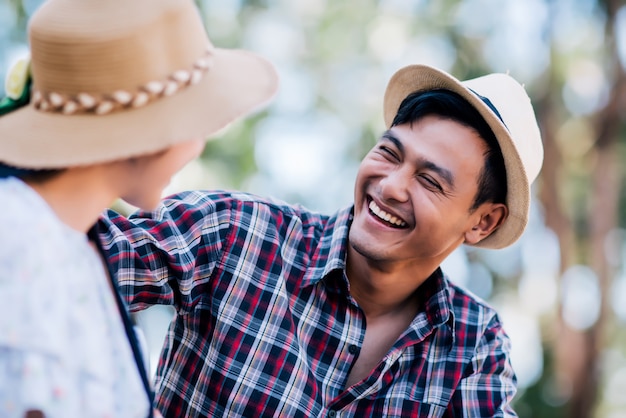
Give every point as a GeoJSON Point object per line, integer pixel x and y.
{"type": "Point", "coordinates": [285, 312]}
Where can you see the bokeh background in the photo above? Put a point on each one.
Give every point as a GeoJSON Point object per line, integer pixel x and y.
{"type": "Point", "coordinates": [561, 290]}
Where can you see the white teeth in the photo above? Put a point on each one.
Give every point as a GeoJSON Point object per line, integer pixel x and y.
{"type": "Point", "coordinates": [384, 215]}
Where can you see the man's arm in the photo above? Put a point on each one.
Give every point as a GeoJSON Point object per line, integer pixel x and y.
{"type": "Point", "coordinates": [165, 256]}
{"type": "Point", "coordinates": [489, 383]}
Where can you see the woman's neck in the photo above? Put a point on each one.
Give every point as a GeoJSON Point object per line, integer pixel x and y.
{"type": "Point", "coordinates": [77, 195]}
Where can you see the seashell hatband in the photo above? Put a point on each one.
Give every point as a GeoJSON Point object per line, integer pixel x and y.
{"type": "Point", "coordinates": [102, 104]}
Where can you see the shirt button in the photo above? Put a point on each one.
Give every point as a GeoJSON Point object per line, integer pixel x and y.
{"type": "Point", "coordinates": [332, 414]}
{"type": "Point", "coordinates": [353, 349]}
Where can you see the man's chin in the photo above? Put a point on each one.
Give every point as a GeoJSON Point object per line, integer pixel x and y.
{"type": "Point", "coordinates": [365, 248]}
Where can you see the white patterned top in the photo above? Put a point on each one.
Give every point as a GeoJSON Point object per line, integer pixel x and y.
{"type": "Point", "coordinates": [63, 346]}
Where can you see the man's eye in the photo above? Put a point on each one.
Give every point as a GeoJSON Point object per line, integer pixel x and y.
{"type": "Point", "coordinates": [388, 151]}
{"type": "Point", "coordinates": [431, 183]}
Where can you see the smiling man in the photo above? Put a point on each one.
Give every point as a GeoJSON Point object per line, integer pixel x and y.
{"type": "Point", "coordinates": [286, 312]}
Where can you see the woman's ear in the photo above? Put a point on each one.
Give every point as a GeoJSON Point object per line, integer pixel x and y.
{"type": "Point", "coordinates": [491, 216]}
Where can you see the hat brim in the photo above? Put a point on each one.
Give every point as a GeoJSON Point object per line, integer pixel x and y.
{"type": "Point", "coordinates": [416, 78]}
{"type": "Point", "coordinates": [238, 83]}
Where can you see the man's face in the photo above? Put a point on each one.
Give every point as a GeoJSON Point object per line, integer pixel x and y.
{"type": "Point", "coordinates": [421, 180]}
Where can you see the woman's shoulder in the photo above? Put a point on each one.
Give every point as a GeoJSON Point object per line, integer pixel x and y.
{"type": "Point", "coordinates": [36, 268]}
{"type": "Point", "coordinates": [32, 235]}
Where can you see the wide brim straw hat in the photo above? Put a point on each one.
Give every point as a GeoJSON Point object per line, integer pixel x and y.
{"type": "Point", "coordinates": [506, 107]}
{"type": "Point", "coordinates": [114, 79]}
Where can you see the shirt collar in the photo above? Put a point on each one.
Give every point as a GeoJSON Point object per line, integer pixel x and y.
{"type": "Point", "coordinates": [436, 300]}
{"type": "Point", "coordinates": [435, 294]}
{"type": "Point", "coordinates": [330, 256]}
{"type": "Point", "coordinates": [331, 250]}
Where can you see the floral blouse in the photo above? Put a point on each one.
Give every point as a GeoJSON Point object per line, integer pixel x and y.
{"type": "Point", "coordinates": [63, 345]}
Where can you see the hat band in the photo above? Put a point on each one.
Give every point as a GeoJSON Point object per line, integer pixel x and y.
{"type": "Point", "coordinates": [490, 106]}
{"type": "Point", "coordinates": [102, 104]}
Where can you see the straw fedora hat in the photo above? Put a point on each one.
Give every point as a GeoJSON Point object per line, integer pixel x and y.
{"type": "Point", "coordinates": [118, 78]}
{"type": "Point", "coordinates": [506, 107]}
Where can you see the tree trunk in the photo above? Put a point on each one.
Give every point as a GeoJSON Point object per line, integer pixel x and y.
{"type": "Point", "coordinates": [577, 354]}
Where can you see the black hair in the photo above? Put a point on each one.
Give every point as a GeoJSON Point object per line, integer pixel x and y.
{"type": "Point", "coordinates": [492, 185]}
{"type": "Point", "coordinates": [28, 174]}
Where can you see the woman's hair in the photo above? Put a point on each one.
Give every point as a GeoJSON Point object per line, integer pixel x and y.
{"type": "Point", "coordinates": [28, 174]}
{"type": "Point", "coordinates": [447, 104]}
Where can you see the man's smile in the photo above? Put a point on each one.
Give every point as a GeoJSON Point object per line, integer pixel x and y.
{"type": "Point", "coordinates": [386, 217]}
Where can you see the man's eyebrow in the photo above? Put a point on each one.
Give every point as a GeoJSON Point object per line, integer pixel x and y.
{"type": "Point", "coordinates": [388, 135]}
{"type": "Point", "coordinates": [444, 173]}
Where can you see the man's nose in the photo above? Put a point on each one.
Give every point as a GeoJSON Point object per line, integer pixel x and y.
{"type": "Point", "coordinates": [394, 186]}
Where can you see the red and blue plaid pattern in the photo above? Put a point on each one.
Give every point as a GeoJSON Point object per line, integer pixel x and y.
{"type": "Point", "coordinates": [265, 325]}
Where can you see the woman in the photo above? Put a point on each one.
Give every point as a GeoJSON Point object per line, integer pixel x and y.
{"type": "Point", "coordinates": [123, 95]}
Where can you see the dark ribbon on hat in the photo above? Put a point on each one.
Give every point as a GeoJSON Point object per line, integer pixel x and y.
{"type": "Point", "coordinates": [490, 106]}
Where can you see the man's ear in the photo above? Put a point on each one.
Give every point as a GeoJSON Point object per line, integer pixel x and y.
{"type": "Point", "coordinates": [490, 217]}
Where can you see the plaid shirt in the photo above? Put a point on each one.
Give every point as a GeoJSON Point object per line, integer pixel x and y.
{"type": "Point", "coordinates": [266, 326]}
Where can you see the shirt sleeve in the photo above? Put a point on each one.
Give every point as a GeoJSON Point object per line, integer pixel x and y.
{"type": "Point", "coordinates": [489, 384]}
{"type": "Point", "coordinates": [166, 256]}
